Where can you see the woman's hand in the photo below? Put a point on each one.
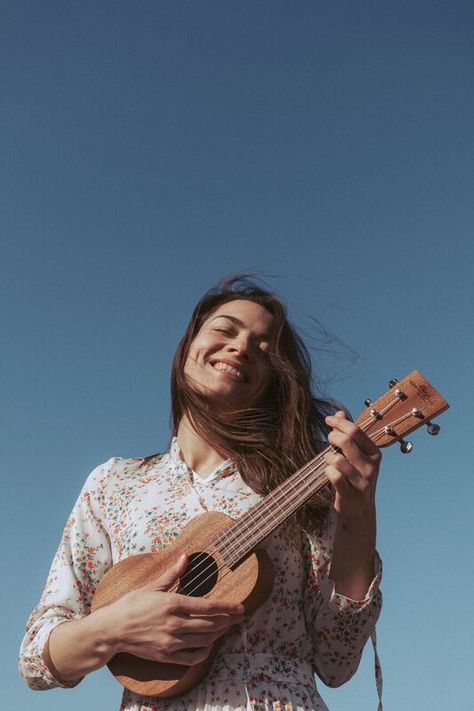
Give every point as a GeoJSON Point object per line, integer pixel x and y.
{"type": "Point", "coordinates": [353, 470]}
{"type": "Point", "coordinates": [150, 623]}
{"type": "Point", "coordinates": [168, 627]}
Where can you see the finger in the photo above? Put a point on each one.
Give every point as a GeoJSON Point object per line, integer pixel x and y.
{"type": "Point", "coordinates": [170, 576]}
{"type": "Point", "coordinates": [350, 450]}
{"type": "Point", "coordinates": [347, 447]}
{"type": "Point", "coordinates": [340, 483]}
{"type": "Point", "coordinates": [189, 657]}
{"type": "Point", "coordinates": [343, 475]}
{"type": "Point", "coordinates": [203, 606]}
{"type": "Point", "coordinates": [194, 641]}
{"type": "Point", "coordinates": [340, 423]}
{"type": "Point", "coordinates": [209, 625]}
{"type": "Point", "coordinates": [350, 430]}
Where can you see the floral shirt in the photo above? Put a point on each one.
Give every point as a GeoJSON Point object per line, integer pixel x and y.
{"type": "Point", "coordinates": [130, 506]}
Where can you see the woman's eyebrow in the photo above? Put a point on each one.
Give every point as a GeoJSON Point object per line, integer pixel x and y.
{"type": "Point", "coordinates": [234, 319]}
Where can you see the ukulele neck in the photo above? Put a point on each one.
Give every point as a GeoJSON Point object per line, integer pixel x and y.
{"type": "Point", "coordinates": [275, 508]}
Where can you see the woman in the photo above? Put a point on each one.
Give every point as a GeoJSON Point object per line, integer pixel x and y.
{"type": "Point", "coordinates": [244, 420]}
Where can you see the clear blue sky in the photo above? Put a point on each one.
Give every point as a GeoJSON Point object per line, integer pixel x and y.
{"type": "Point", "coordinates": [150, 148]}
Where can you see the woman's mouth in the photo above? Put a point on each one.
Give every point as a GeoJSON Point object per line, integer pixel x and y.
{"type": "Point", "coordinates": [230, 369]}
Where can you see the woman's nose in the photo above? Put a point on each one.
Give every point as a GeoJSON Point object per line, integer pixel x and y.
{"type": "Point", "coordinates": [240, 345]}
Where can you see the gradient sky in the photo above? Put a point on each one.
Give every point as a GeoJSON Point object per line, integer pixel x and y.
{"type": "Point", "coordinates": [148, 149]}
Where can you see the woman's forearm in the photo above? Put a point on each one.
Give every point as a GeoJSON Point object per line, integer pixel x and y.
{"type": "Point", "coordinates": [78, 647]}
{"type": "Point", "coordinates": [352, 564]}
{"type": "Point", "coordinates": [353, 462]}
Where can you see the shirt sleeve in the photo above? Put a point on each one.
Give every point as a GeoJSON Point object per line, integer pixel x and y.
{"type": "Point", "coordinates": [339, 626]}
{"type": "Point", "coordinates": [83, 556]}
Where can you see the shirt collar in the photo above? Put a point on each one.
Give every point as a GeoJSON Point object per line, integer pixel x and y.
{"type": "Point", "coordinates": [224, 469]}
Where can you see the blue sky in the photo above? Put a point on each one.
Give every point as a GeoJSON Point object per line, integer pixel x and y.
{"type": "Point", "coordinates": [151, 148]}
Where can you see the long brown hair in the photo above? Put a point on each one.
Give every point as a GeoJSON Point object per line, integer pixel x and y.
{"type": "Point", "coordinates": [268, 442]}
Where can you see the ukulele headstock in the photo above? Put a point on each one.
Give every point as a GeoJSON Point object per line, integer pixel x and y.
{"type": "Point", "coordinates": [409, 404]}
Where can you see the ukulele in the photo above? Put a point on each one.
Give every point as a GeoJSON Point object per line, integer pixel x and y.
{"type": "Point", "coordinates": [224, 560]}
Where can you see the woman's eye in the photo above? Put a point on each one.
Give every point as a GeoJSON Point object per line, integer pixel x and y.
{"type": "Point", "coordinates": [223, 330]}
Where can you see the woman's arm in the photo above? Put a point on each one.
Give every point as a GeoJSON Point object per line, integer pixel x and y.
{"type": "Point", "coordinates": [342, 597]}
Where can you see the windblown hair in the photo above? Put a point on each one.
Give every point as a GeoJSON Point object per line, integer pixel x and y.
{"type": "Point", "coordinates": [271, 441]}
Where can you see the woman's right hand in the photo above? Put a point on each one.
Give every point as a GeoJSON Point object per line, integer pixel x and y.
{"type": "Point", "coordinates": [153, 623]}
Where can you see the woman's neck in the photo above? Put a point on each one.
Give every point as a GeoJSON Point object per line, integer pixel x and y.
{"type": "Point", "coordinates": [196, 452]}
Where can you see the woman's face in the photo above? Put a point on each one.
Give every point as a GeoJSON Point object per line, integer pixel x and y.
{"type": "Point", "coordinates": [228, 360]}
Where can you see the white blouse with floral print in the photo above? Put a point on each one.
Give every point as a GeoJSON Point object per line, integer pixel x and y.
{"type": "Point", "coordinates": [129, 506]}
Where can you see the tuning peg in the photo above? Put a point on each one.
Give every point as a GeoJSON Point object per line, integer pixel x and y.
{"type": "Point", "coordinates": [367, 402]}
{"type": "Point", "coordinates": [433, 428]}
{"type": "Point", "coordinates": [392, 382]}
{"type": "Point", "coordinates": [405, 447]}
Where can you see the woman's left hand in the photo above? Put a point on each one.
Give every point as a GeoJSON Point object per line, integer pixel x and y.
{"type": "Point", "coordinates": [352, 471]}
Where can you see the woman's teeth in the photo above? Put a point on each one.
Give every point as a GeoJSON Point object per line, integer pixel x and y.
{"type": "Point", "coordinates": [229, 369]}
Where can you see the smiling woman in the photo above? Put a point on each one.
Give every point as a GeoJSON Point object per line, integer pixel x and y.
{"type": "Point", "coordinates": [228, 360]}
{"type": "Point", "coordinates": [245, 418]}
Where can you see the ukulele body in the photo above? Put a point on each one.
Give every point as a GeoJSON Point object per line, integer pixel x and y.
{"type": "Point", "coordinates": [248, 582]}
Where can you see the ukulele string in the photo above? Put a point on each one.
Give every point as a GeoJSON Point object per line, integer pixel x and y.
{"type": "Point", "coordinates": [229, 538]}
{"type": "Point", "coordinates": [307, 470]}
{"type": "Point", "coordinates": [383, 430]}
{"type": "Point", "coordinates": [379, 415]}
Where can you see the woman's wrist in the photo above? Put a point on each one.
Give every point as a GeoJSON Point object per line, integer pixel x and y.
{"type": "Point", "coordinates": [359, 523]}
{"type": "Point", "coordinates": [352, 565]}
{"type": "Point", "coordinates": [105, 632]}
{"type": "Point", "coordinates": [77, 647]}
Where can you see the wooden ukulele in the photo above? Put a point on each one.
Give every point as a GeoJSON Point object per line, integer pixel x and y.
{"type": "Point", "coordinates": [224, 561]}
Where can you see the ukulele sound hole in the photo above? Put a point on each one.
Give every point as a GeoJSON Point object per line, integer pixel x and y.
{"type": "Point", "coordinates": [200, 576]}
